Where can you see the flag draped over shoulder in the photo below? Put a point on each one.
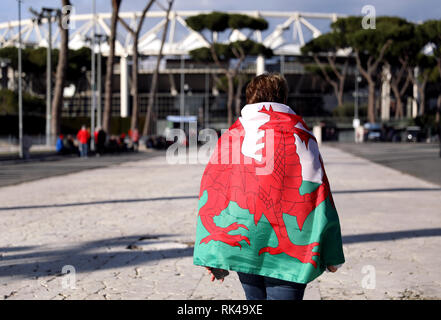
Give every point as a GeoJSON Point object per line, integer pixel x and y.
{"type": "Point", "coordinates": [265, 205]}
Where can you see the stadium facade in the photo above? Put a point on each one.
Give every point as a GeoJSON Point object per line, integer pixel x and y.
{"type": "Point", "coordinates": [187, 87]}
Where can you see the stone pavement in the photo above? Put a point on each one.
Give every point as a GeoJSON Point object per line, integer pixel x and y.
{"type": "Point", "coordinates": [128, 231]}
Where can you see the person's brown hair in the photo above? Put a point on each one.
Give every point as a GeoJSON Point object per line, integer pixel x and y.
{"type": "Point", "coordinates": [268, 87]}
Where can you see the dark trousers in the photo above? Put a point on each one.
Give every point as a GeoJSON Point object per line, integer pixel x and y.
{"type": "Point", "coordinates": [83, 149]}
{"type": "Point", "coordinates": [265, 288]}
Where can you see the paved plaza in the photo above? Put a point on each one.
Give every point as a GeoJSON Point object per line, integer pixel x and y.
{"type": "Point", "coordinates": [127, 231]}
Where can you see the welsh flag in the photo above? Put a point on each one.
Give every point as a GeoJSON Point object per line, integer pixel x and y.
{"type": "Point", "coordinates": [265, 205]}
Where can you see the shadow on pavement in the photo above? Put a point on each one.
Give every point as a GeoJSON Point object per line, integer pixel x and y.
{"type": "Point", "coordinates": [385, 190]}
{"type": "Point", "coordinates": [390, 236]}
{"type": "Point", "coordinates": [61, 205]}
{"type": "Point", "coordinates": [13, 249]}
{"type": "Point", "coordinates": [84, 258]}
{"type": "Point", "coordinates": [38, 264]}
{"type": "Point", "coordinates": [96, 202]}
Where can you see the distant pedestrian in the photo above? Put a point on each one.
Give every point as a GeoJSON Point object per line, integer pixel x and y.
{"type": "Point", "coordinates": [83, 137]}
{"type": "Point", "coordinates": [100, 141]}
{"type": "Point", "coordinates": [59, 147]}
{"type": "Point", "coordinates": [69, 145]}
{"type": "Point", "coordinates": [134, 135]}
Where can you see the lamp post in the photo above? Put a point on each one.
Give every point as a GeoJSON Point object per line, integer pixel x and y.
{"type": "Point", "coordinates": [356, 121]}
{"type": "Point", "coordinates": [20, 95]}
{"type": "Point", "coordinates": [207, 98]}
{"type": "Point", "coordinates": [182, 96]}
{"type": "Point", "coordinates": [100, 38]}
{"type": "Point", "coordinates": [93, 82]}
{"type": "Point", "coordinates": [48, 13]}
{"type": "Point", "coordinates": [96, 77]}
{"type": "Point", "coordinates": [357, 80]}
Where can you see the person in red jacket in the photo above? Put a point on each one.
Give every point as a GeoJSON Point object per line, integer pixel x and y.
{"type": "Point", "coordinates": [134, 135]}
{"type": "Point", "coordinates": [83, 137]}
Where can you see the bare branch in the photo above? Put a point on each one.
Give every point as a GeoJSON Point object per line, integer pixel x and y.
{"type": "Point", "coordinates": [241, 58]}
{"type": "Point", "coordinates": [331, 60]}
{"type": "Point", "coordinates": [323, 70]}
{"type": "Point", "coordinates": [216, 58]}
{"type": "Point", "coordinates": [363, 71]}
{"type": "Point", "coordinates": [404, 87]}
{"type": "Point", "coordinates": [144, 12]}
{"type": "Point", "coordinates": [381, 55]}
{"type": "Point", "coordinates": [125, 25]}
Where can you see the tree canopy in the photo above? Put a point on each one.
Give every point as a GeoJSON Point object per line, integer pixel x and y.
{"type": "Point", "coordinates": [220, 21]}
{"type": "Point", "coordinates": [225, 51]}
{"type": "Point", "coordinates": [34, 60]}
{"type": "Point", "coordinates": [222, 53]}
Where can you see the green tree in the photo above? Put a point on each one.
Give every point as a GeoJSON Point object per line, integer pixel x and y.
{"type": "Point", "coordinates": [327, 46]}
{"type": "Point", "coordinates": [431, 33]}
{"type": "Point", "coordinates": [369, 47]}
{"type": "Point", "coordinates": [428, 73]}
{"type": "Point", "coordinates": [399, 57]}
{"type": "Point", "coordinates": [224, 54]}
{"type": "Point", "coordinates": [31, 105]}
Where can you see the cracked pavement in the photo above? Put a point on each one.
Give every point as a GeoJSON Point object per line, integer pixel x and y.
{"type": "Point", "coordinates": [128, 231]}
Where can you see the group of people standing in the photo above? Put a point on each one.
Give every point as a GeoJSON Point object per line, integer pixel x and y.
{"type": "Point", "coordinates": [66, 145]}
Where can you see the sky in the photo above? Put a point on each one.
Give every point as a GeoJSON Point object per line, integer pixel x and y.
{"type": "Point", "coordinates": [413, 10]}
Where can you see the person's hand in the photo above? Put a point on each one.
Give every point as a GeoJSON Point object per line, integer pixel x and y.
{"type": "Point", "coordinates": [332, 268]}
{"type": "Point", "coordinates": [212, 275]}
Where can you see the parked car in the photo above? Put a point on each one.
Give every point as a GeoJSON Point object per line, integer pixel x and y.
{"type": "Point", "coordinates": [414, 134]}
{"type": "Point", "coordinates": [373, 132]}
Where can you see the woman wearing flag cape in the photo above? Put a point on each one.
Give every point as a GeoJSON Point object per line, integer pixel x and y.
{"type": "Point", "coordinates": [265, 205]}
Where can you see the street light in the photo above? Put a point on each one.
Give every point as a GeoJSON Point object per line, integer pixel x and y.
{"type": "Point", "coordinates": [97, 83]}
{"type": "Point", "coordinates": [182, 96]}
{"type": "Point", "coordinates": [100, 38]}
{"type": "Point", "coordinates": [356, 121]}
{"type": "Point", "coordinates": [20, 95]}
{"type": "Point", "coordinates": [48, 14]}
{"type": "Point", "coordinates": [93, 82]}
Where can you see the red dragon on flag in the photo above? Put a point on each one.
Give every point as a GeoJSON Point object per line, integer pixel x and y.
{"type": "Point", "coordinates": [268, 135]}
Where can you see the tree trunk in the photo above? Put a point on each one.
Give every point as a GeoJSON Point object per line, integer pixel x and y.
{"type": "Point", "coordinates": [340, 96]}
{"type": "Point", "coordinates": [154, 83]}
{"type": "Point", "coordinates": [341, 76]}
{"type": "Point", "coordinates": [371, 100]}
{"type": "Point", "coordinates": [372, 66]}
{"type": "Point", "coordinates": [395, 83]}
{"type": "Point", "coordinates": [422, 92]}
{"type": "Point", "coordinates": [57, 102]}
{"type": "Point", "coordinates": [135, 90]}
{"type": "Point", "coordinates": [230, 98]}
{"type": "Point", "coordinates": [336, 86]}
{"type": "Point", "coordinates": [438, 121]}
{"type": "Point", "coordinates": [107, 114]}
{"type": "Point", "coordinates": [438, 109]}
{"type": "Point", "coordinates": [341, 84]}
{"type": "Point", "coordinates": [399, 112]}
{"type": "Point", "coordinates": [238, 94]}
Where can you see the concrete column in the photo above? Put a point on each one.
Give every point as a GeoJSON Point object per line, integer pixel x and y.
{"type": "Point", "coordinates": [385, 93]}
{"type": "Point", "coordinates": [260, 65]}
{"type": "Point", "coordinates": [317, 132]}
{"type": "Point", "coordinates": [124, 87]}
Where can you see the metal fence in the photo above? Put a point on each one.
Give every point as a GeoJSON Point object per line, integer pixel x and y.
{"type": "Point", "coordinates": [196, 104]}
